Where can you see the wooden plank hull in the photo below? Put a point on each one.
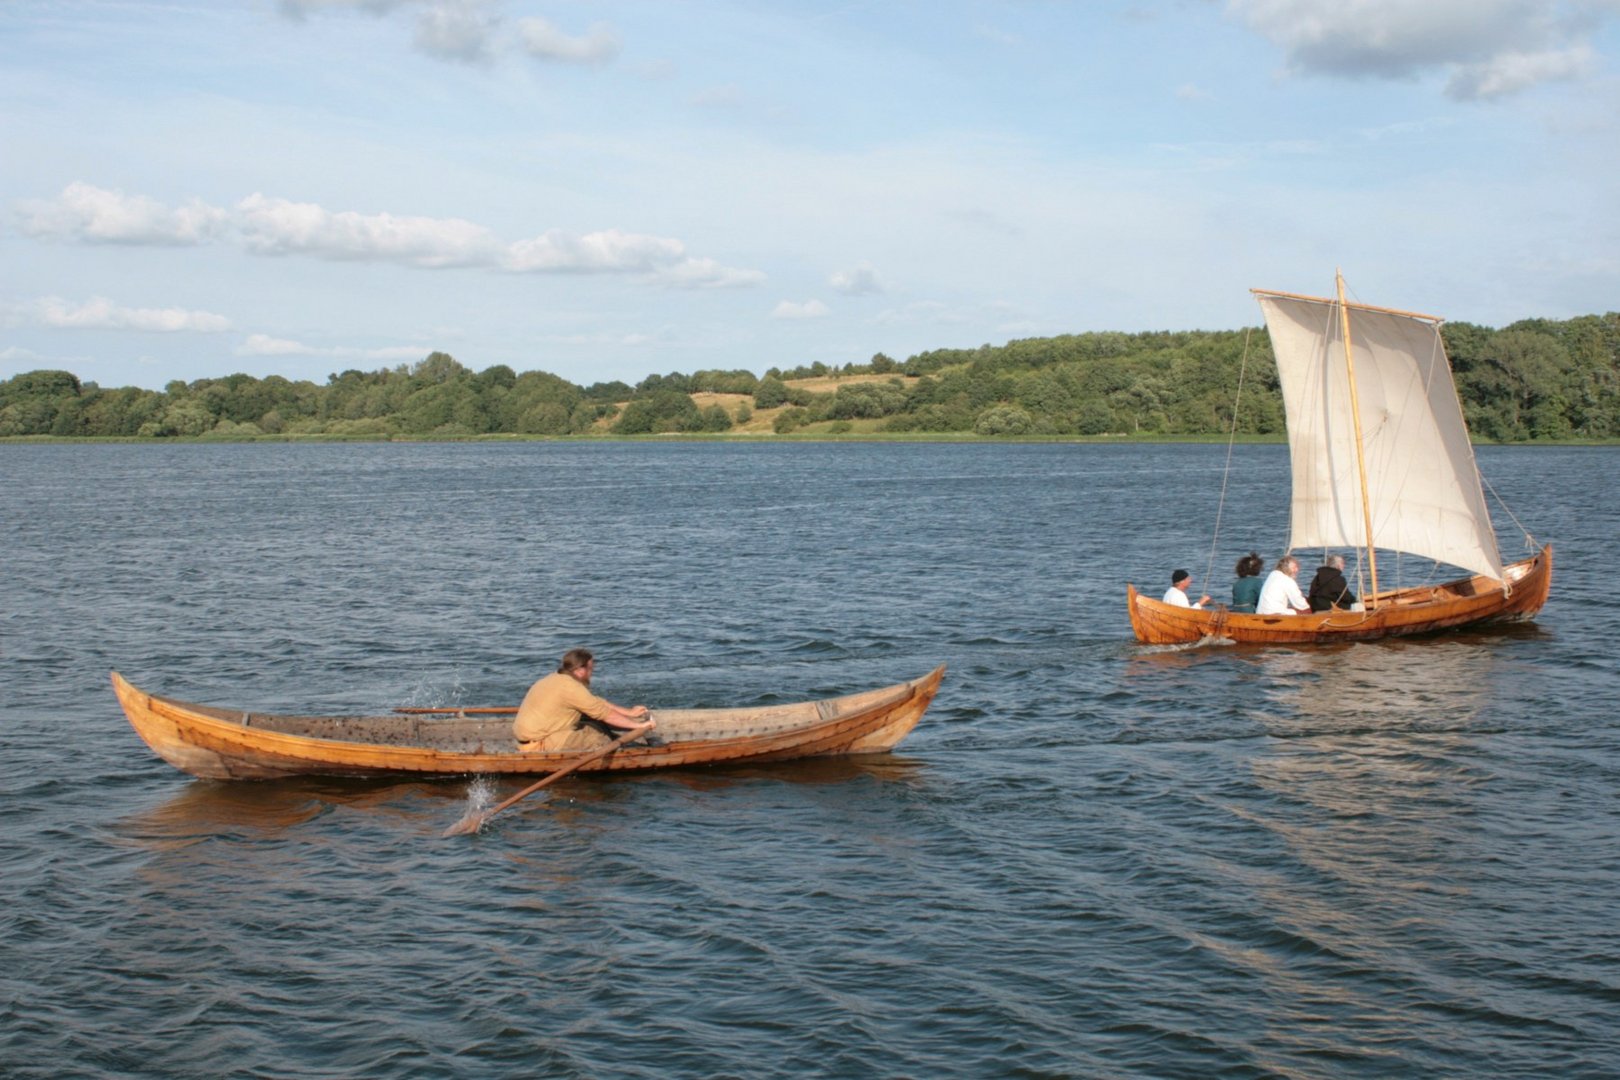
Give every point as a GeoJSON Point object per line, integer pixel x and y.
{"type": "Point", "coordinates": [227, 744]}
{"type": "Point", "coordinates": [1466, 602]}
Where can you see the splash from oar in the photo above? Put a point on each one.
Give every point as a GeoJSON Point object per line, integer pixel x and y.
{"type": "Point", "coordinates": [480, 793]}
{"type": "Point", "coordinates": [474, 820]}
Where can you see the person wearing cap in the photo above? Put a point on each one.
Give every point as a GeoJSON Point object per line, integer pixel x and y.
{"type": "Point", "coordinates": [560, 713]}
{"type": "Point", "coordinates": [1180, 583]}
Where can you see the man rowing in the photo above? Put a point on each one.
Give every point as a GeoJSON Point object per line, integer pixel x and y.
{"type": "Point", "coordinates": [560, 713]}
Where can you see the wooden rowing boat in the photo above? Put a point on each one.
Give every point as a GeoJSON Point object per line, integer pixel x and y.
{"type": "Point", "coordinates": [229, 744]}
{"type": "Point", "coordinates": [1381, 461]}
{"type": "Point", "coordinates": [1471, 601]}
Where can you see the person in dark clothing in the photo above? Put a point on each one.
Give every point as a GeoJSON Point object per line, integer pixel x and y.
{"type": "Point", "coordinates": [1328, 588]}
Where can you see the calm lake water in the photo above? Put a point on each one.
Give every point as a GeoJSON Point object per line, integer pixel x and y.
{"type": "Point", "coordinates": [1091, 859]}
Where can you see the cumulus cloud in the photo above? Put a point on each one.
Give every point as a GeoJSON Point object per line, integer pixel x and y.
{"type": "Point", "coordinates": [473, 31]}
{"type": "Point", "coordinates": [263, 225]}
{"type": "Point", "coordinates": [1486, 48]}
{"type": "Point", "coordinates": [99, 216]}
{"type": "Point", "coordinates": [861, 281]}
{"type": "Point", "coordinates": [658, 260]}
{"type": "Point", "coordinates": [99, 313]}
{"type": "Point", "coordinates": [705, 274]}
{"type": "Point", "coordinates": [609, 250]}
{"type": "Point", "coordinates": [270, 226]}
{"type": "Point", "coordinates": [790, 309]}
{"type": "Point", "coordinates": [543, 40]}
{"type": "Point", "coordinates": [462, 30]}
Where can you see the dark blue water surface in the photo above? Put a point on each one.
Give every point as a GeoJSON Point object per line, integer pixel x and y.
{"type": "Point", "coordinates": [1091, 858]}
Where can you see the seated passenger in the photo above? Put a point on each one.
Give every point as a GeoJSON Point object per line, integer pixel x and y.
{"type": "Point", "coordinates": [1280, 594]}
{"type": "Point", "coordinates": [1180, 582]}
{"type": "Point", "coordinates": [1328, 588]}
{"type": "Point", "coordinates": [1246, 589]}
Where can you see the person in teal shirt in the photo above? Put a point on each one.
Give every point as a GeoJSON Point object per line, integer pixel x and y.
{"type": "Point", "coordinates": [1246, 589]}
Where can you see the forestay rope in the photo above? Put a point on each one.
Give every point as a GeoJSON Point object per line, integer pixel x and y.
{"type": "Point", "coordinates": [1231, 439]}
{"type": "Point", "coordinates": [1529, 539]}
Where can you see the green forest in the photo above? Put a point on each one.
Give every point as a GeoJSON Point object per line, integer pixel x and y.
{"type": "Point", "coordinates": [1534, 380]}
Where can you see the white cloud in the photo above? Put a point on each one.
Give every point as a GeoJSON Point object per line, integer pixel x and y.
{"type": "Point", "coordinates": [544, 41]}
{"type": "Point", "coordinates": [657, 259]}
{"type": "Point", "coordinates": [706, 274]}
{"type": "Point", "coordinates": [281, 227]}
{"type": "Point", "coordinates": [97, 215]}
{"type": "Point", "coordinates": [810, 309]}
{"type": "Point", "coordinates": [463, 30]}
{"type": "Point", "coordinates": [99, 313]}
{"type": "Point", "coordinates": [264, 225]}
{"type": "Point", "coordinates": [460, 30]}
{"type": "Point", "coordinates": [861, 281]}
{"type": "Point", "coordinates": [1512, 72]}
{"type": "Point", "coordinates": [265, 345]}
{"type": "Point", "coordinates": [1487, 48]}
{"type": "Point", "coordinates": [609, 250]}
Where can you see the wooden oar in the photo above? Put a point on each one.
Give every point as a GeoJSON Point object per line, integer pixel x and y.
{"type": "Point", "coordinates": [474, 820]}
{"type": "Point", "coordinates": [505, 710]}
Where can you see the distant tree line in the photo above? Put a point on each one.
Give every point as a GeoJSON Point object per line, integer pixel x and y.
{"type": "Point", "coordinates": [1537, 379]}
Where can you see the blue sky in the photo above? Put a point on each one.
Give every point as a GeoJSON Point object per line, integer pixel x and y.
{"type": "Point", "coordinates": [610, 190]}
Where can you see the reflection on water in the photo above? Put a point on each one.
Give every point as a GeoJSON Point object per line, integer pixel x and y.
{"type": "Point", "coordinates": [203, 809]}
{"type": "Point", "coordinates": [1371, 787]}
{"type": "Point", "coordinates": [1376, 687]}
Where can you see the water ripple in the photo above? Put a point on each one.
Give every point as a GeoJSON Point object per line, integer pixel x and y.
{"type": "Point", "coordinates": [1091, 859]}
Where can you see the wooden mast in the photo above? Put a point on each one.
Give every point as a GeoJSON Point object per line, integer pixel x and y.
{"type": "Point", "coordinates": [1361, 464]}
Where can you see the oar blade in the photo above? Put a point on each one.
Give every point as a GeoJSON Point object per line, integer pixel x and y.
{"type": "Point", "coordinates": [470, 823]}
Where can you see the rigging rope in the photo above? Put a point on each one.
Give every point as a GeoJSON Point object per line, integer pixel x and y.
{"type": "Point", "coordinates": [1231, 438]}
{"type": "Point", "coordinates": [1529, 539]}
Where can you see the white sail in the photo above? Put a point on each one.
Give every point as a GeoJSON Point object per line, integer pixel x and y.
{"type": "Point", "coordinates": [1423, 487]}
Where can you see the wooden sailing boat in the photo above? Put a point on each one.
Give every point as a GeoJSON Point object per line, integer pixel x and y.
{"type": "Point", "coordinates": [1380, 460]}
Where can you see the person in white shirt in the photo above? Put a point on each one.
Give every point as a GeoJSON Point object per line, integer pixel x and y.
{"type": "Point", "coordinates": [1180, 583]}
{"type": "Point", "coordinates": [1280, 594]}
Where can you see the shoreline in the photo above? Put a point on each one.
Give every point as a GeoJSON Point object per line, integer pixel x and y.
{"type": "Point", "coordinates": [715, 437]}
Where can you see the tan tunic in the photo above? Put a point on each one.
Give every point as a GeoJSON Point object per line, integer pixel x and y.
{"type": "Point", "coordinates": [550, 710]}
